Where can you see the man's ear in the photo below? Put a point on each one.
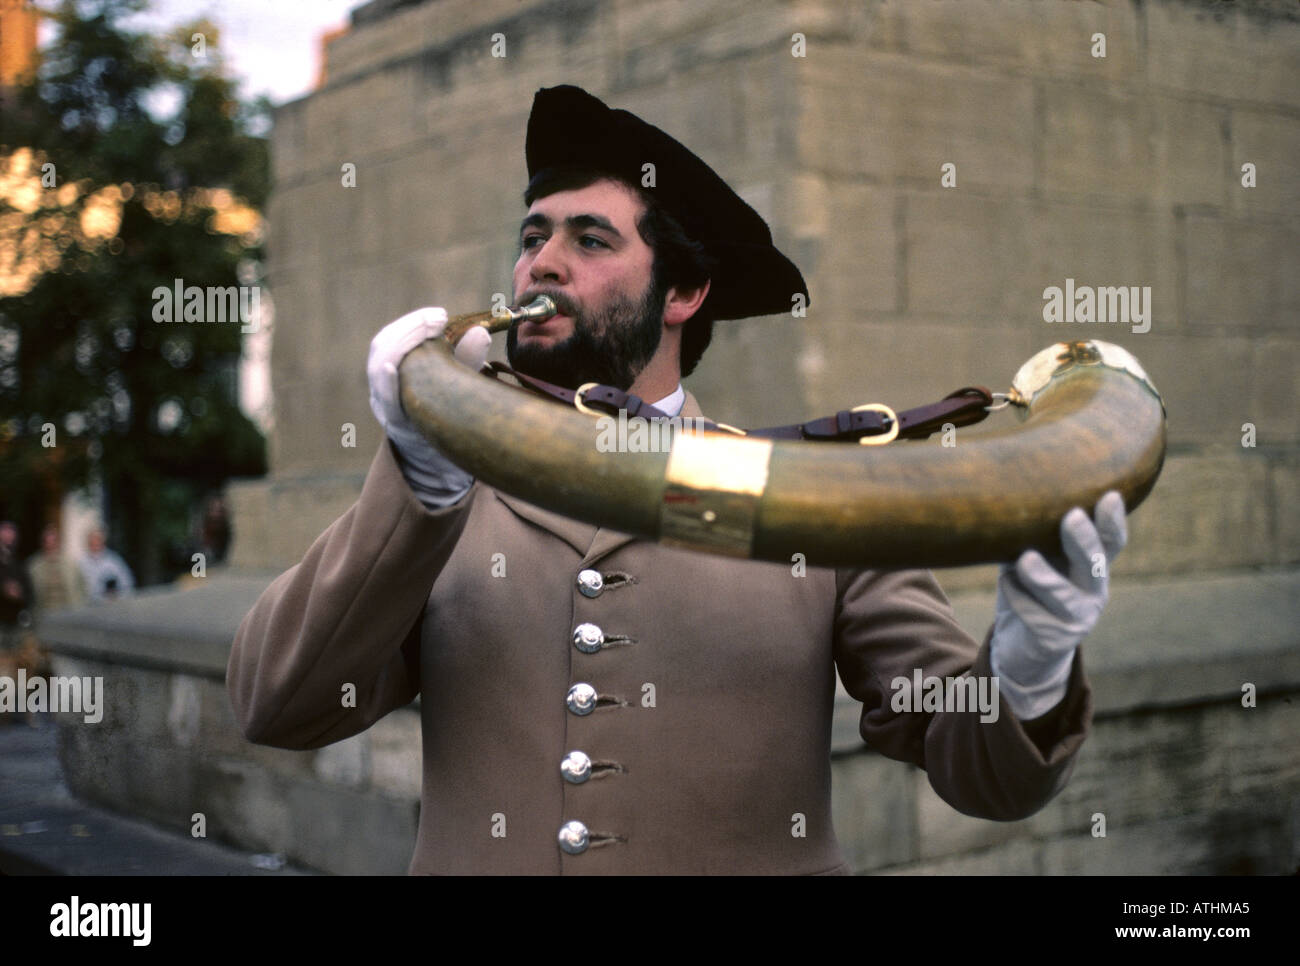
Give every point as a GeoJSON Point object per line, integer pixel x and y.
{"type": "Point", "coordinates": [682, 303]}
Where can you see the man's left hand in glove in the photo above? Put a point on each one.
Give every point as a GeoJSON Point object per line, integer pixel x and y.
{"type": "Point", "coordinates": [1044, 611]}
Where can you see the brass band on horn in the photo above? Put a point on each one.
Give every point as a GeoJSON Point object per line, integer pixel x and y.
{"type": "Point", "coordinates": [1090, 420]}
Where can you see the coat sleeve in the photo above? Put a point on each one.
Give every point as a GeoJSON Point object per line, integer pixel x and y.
{"type": "Point", "coordinates": [888, 625]}
{"type": "Point", "coordinates": [348, 614]}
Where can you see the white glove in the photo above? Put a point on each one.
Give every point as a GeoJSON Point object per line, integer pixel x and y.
{"type": "Point", "coordinates": [1042, 615]}
{"type": "Point", "coordinates": [435, 480]}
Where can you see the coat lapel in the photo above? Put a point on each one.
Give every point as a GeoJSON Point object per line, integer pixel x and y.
{"type": "Point", "coordinates": [592, 542]}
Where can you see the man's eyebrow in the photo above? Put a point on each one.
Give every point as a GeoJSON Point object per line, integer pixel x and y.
{"type": "Point", "coordinates": [539, 220]}
{"type": "Point", "coordinates": [592, 221]}
{"type": "Point", "coordinates": [535, 220]}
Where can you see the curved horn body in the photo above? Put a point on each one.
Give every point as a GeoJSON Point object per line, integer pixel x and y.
{"type": "Point", "coordinates": [1090, 421]}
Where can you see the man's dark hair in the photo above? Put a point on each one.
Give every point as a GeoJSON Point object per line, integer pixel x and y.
{"type": "Point", "coordinates": [679, 260]}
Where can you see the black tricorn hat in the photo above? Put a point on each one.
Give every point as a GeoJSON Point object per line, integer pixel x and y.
{"type": "Point", "coordinates": [570, 128]}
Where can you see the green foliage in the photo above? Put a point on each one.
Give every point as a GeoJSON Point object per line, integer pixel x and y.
{"type": "Point", "coordinates": [141, 126]}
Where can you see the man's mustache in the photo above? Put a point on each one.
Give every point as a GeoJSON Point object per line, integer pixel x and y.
{"type": "Point", "coordinates": [563, 304]}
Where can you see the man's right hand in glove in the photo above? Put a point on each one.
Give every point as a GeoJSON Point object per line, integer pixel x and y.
{"type": "Point", "coordinates": [434, 479]}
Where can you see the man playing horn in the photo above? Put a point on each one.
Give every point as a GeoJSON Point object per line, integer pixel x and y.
{"type": "Point", "coordinates": [596, 703]}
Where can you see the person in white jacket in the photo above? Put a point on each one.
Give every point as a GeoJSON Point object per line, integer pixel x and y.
{"type": "Point", "coordinates": [105, 573]}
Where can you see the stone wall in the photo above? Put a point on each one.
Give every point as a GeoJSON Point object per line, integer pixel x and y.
{"type": "Point", "coordinates": [168, 747]}
{"type": "Point", "coordinates": [1188, 778]}
{"type": "Point", "coordinates": [1122, 170]}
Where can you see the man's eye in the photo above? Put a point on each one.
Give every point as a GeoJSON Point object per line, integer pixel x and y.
{"type": "Point", "coordinates": [600, 242]}
{"type": "Point", "coordinates": [527, 241]}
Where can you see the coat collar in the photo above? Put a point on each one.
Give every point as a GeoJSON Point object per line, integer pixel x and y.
{"type": "Point", "coordinates": [592, 542]}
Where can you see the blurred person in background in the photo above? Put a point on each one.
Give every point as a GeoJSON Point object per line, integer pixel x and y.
{"type": "Point", "coordinates": [214, 532]}
{"type": "Point", "coordinates": [15, 591]}
{"type": "Point", "coordinates": [106, 574]}
{"type": "Point", "coordinates": [55, 577]}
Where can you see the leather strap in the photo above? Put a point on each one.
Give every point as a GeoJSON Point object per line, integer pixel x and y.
{"type": "Point", "coordinates": [961, 408]}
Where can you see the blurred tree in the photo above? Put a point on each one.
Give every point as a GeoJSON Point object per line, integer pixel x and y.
{"type": "Point", "coordinates": [125, 164]}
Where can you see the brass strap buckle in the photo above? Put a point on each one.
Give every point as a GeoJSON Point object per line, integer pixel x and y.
{"type": "Point", "coordinates": [580, 405]}
{"type": "Point", "coordinates": [889, 436]}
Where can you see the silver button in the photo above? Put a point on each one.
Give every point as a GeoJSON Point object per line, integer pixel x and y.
{"type": "Point", "coordinates": [590, 583]}
{"type": "Point", "coordinates": [576, 768]}
{"type": "Point", "coordinates": [588, 638]}
{"type": "Point", "coordinates": [581, 699]}
{"type": "Point", "coordinates": [574, 838]}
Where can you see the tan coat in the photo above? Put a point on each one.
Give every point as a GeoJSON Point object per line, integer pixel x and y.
{"type": "Point", "coordinates": [712, 728]}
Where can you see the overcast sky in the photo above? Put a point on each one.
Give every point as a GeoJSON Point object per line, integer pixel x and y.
{"type": "Point", "coordinates": [270, 45]}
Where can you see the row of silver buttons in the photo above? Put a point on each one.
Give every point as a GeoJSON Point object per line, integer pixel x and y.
{"type": "Point", "coordinates": [581, 700]}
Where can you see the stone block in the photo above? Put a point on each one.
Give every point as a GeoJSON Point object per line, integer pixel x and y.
{"type": "Point", "coordinates": [369, 115]}
{"type": "Point", "coordinates": [1274, 399]}
{"type": "Point", "coordinates": [944, 831]}
{"type": "Point", "coordinates": [1106, 142]}
{"type": "Point", "coordinates": [1205, 513]}
{"type": "Point", "coordinates": [741, 379]}
{"type": "Point", "coordinates": [1238, 841]}
{"type": "Point", "coordinates": [459, 278]}
{"type": "Point", "coordinates": [345, 762]}
{"type": "Point", "coordinates": [770, 120]}
{"type": "Point", "coordinates": [1222, 52]}
{"type": "Point", "coordinates": [966, 258]}
{"type": "Point", "coordinates": [1192, 153]}
{"type": "Point", "coordinates": [288, 143]}
{"type": "Point", "coordinates": [989, 260]}
{"type": "Point", "coordinates": [396, 765]}
{"type": "Point", "coordinates": [349, 832]}
{"type": "Point", "coordinates": [249, 506]}
{"type": "Point", "coordinates": [1097, 246]}
{"type": "Point", "coordinates": [960, 579]}
{"type": "Point", "coordinates": [300, 301]}
{"type": "Point", "coordinates": [399, 33]}
{"type": "Point", "coordinates": [162, 785]}
{"type": "Point", "coordinates": [305, 508]}
{"type": "Point", "coordinates": [1171, 763]}
{"type": "Point", "coordinates": [1270, 140]}
{"type": "Point", "coordinates": [1021, 36]}
{"type": "Point", "coordinates": [644, 23]}
{"type": "Point", "coordinates": [736, 32]}
{"type": "Point", "coordinates": [247, 805]}
{"type": "Point", "coordinates": [1016, 857]}
{"type": "Point", "coordinates": [295, 212]}
{"type": "Point", "coordinates": [96, 765]}
{"type": "Point", "coordinates": [1178, 364]}
{"type": "Point", "coordinates": [1239, 277]}
{"type": "Point", "coordinates": [874, 810]}
{"type": "Point", "coordinates": [906, 362]}
{"type": "Point", "coordinates": [886, 118]}
{"type": "Point", "coordinates": [843, 237]}
{"type": "Point", "coordinates": [1284, 479]}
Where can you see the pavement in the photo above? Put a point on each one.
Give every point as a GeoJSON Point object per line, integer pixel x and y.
{"type": "Point", "coordinates": [45, 831]}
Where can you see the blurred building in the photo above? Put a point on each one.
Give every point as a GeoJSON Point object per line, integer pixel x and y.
{"type": "Point", "coordinates": [18, 24]}
{"type": "Point", "coordinates": [1134, 143]}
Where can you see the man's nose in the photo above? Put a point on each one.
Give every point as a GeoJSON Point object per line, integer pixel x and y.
{"type": "Point", "coordinates": [548, 264]}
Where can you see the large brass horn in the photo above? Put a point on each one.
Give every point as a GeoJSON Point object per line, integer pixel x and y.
{"type": "Point", "coordinates": [1089, 421]}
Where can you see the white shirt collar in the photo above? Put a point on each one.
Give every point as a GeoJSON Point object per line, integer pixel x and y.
{"type": "Point", "coordinates": [672, 403]}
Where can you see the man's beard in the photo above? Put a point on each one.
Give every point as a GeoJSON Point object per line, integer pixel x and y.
{"type": "Point", "coordinates": [610, 347]}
